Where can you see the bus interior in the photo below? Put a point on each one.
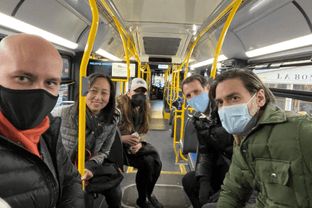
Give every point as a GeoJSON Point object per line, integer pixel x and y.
{"type": "Point", "coordinates": [163, 42]}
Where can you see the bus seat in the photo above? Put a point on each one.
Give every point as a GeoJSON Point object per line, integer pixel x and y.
{"type": "Point", "coordinates": [116, 151]}
{"type": "Point", "coordinates": [189, 142]}
{"type": "Point", "coordinates": [171, 118]}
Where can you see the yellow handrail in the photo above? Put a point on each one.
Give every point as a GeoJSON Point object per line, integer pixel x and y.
{"type": "Point", "coordinates": [165, 86]}
{"type": "Point", "coordinates": [169, 91]}
{"type": "Point", "coordinates": [121, 87]}
{"type": "Point", "coordinates": [234, 6]}
{"type": "Point", "coordinates": [222, 36]}
{"type": "Point", "coordinates": [147, 71]}
{"type": "Point", "coordinates": [126, 44]}
{"type": "Point", "coordinates": [201, 33]}
{"type": "Point", "coordinates": [83, 84]}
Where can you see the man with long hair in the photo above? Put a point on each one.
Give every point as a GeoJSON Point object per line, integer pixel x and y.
{"type": "Point", "coordinates": [135, 122]}
{"type": "Point", "coordinates": [272, 148]}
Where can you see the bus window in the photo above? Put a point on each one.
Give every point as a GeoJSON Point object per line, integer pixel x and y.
{"type": "Point", "coordinates": [290, 78]}
{"type": "Point", "coordinates": [66, 65]}
{"type": "Point", "coordinates": [63, 90]}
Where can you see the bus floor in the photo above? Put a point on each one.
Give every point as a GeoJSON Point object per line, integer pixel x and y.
{"type": "Point", "coordinates": [168, 189]}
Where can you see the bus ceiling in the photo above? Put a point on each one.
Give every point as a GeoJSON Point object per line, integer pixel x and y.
{"type": "Point", "coordinates": [261, 31]}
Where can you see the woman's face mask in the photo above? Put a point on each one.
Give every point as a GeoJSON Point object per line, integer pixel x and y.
{"type": "Point", "coordinates": [235, 119]}
{"type": "Point", "coordinates": [138, 99]}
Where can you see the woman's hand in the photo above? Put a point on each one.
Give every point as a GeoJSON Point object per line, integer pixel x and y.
{"type": "Point", "coordinates": [88, 174]}
{"type": "Point", "coordinates": [135, 148]}
{"type": "Point", "coordinates": [130, 140]}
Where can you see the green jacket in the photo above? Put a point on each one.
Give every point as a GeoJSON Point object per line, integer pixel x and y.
{"type": "Point", "coordinates": [275, 158]}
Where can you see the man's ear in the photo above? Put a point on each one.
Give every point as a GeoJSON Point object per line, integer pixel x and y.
{"type": "Point", "coordinates": [207, 88]}
{"type": "Point", "coordinates": [260, 98]}
{"type": "Point", "coordinates": [128, 93]}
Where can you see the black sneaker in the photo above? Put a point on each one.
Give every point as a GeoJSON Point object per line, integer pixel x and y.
{"type": "Point", "coordinates": [144, 204]}
{"type": "Point", "coordinates": [155, 202]}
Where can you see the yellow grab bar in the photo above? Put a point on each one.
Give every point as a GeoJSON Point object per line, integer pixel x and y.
{"type": "Point", "coordinates": [126, 44]}
{"type": "Point", "coordinates": [201, 33]}
{"type": "Point", "coordinates": [222, 36]}
{"type": "Point", "coordinates": [123, 40]}
{"type": "Point", "coordinates": [83, 84]}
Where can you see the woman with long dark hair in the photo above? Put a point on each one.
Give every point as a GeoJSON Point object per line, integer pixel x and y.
{"type": "Point", "coordinates": [101, 124]}
{"type": "Point", "coordinates": [138, 153]}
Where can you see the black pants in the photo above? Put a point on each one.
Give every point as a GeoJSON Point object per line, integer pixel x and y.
{"type": "Point", "coordinates": [191, 184]}
{"type": "Point", "coordinates": [149, 168]}
{"type": "Point", "coordinates": [250, 204]}
{"type": "Point", "coordinates": [112, 197]}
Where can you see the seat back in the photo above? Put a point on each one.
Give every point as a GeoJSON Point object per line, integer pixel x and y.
{"type": "Point", "coordinates": [190, 142]}
{"type": "Point", "coordinates": [116, 151]}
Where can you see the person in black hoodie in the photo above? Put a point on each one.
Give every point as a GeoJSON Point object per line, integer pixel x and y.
{"type": "Point", "coordinates": [34, 167]}
{"type": "Point", "coordinates": [215, 145]}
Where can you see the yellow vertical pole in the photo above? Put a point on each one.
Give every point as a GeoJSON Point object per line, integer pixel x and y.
{"type": "Point", "coordinates": [178, 83]}
{"type": "Point", "coordinates": [121, 87]}
{"type": "Point", "coordinates": [174, 82]}
{"type": "Point", "coordinates": [149, 76]}
{"type": "Point", "coordinates": [139, 69]}
{"type": "Point", "coordinates": [222, 36]}
{"type": "Point", "coordinates": [175, 135]}
{"type": "Point", "coordinates": [172, 85]}
{"type": "Point", "coordinates": [82, 87]}
{"type": "Point", "coordinates": [165, 85]}
{"type": "Point", "coordinates": [168, 90]}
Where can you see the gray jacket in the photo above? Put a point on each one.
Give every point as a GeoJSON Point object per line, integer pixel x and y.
{"type": "Point", "coordinates": [69, 133]}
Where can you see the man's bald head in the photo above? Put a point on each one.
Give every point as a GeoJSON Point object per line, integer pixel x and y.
{"type": "Point", "coordinates": [29, 62]}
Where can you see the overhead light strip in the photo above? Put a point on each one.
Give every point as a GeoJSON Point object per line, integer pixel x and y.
{"type": "Point", "coordinates": [207, 62]}
{"type": "Point", "coordinates": [282, 46]}
{"type": "Point", "coordinates": [15, 24]}
{"type": "Point", "coordinates": [107, 55]}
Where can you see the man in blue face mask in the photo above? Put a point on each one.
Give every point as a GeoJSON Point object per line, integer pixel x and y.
{"type": "Point", "coordinates": [214, 145]}
{"type": "Point", "coordinates": [35, 169]}
{"type": "Point", "coordinates": [272, 151]}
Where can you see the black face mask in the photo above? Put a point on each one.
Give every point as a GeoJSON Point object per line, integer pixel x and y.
{"type": "Point", "coordinates": [26, 109]}
{"type": "Point", "coordinates": [138, 99]}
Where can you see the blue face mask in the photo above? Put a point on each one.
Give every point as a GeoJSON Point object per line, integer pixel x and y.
{"type": "Point", "coordinates": [200, 102]}
{"type": "Point", "coordinates": [234, 118]}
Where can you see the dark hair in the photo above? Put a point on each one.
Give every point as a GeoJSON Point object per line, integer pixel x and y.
{"type": "Point", "coordinates": [126, 125]}
{"type": "Point", "coordinates": [250, 80]}
{"type": "Point", "coordinates": [202, 80]}
{"type": "Point", "coordinates": [109, 109]}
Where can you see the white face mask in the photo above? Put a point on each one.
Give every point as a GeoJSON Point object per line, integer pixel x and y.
{"type": "Point", "coordinates": [234, 118]}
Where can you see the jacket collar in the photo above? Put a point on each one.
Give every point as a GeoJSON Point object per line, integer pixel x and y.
{"type": "Point", "coordinates": [272, 114]}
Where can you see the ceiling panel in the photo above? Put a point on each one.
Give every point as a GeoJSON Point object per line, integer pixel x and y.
{"type": "Point", "coordinates": [161, 46]}
{"type": "Point", "coordinates": [274, 28]}
{"type": "Point", "coordinates": [306, 5]}
{"type": "Point", "coordinates": [166, 11]}
{"type": "Point", "coordinates": [8, 6]}
{"type": "Point", "coordinates": [53, 17]}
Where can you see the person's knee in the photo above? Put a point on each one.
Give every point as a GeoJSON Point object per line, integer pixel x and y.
{"type": "Point", "coordinates": [156, 164]}
{"type": "Point", "coordinates": [210, 205]}
{"type": "Point", "coordinates": [188, 180]}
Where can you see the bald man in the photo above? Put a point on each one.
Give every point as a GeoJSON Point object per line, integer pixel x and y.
{"type": "Point", "coordinates": [35, 171]}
